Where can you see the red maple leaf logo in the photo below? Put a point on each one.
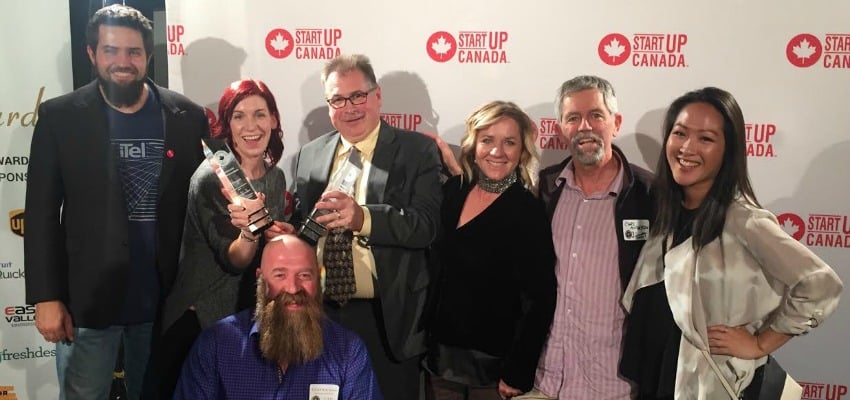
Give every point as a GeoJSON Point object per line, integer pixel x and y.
{"type": "Point", "coordinates": [441, 46]}
{"type": "Point", "coordinates": [614, 49]}
{"type": "Point", "coordinates": [803, 50]}
{"type": "Point", "coordinates": [792, 224]}
{"type": "Point", "coordinates": [279, 43]}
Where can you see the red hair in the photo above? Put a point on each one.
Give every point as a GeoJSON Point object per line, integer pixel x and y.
{"type": "Point", "coordinates": [235, 93]}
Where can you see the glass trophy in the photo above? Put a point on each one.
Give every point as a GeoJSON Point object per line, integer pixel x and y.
{"type": "Point", "coordinates": [226, 167]}
{"type": "Point", "coordinates": [342, 180]}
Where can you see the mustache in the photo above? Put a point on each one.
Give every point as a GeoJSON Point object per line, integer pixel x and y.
{"type": "Point", "coordinates": [584, 135]}
{"type": "Point", "coordinates": [129, 69]}
{"type": "Point", "coordinates": [286, 299]}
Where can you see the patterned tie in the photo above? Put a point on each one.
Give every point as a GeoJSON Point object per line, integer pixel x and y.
{"type": "Point", "coordinates": [340, 284]}
{"type": "Point", "coordinates": [339, 266]}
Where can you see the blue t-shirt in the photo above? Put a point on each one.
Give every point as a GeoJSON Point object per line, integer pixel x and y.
{"type": "Point", "coordinates": [138, 142]}
{"type": "Point", "coordinates": [226, 363]}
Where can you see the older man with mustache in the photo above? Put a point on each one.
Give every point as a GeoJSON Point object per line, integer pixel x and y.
{"type": "Point", "coordinates": [600, 208]}
{"type": "Point", "coordinates": [288, 350]}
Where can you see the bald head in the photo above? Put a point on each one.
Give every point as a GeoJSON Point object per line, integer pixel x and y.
{"type": "Point", "coordinates": [289, 264]}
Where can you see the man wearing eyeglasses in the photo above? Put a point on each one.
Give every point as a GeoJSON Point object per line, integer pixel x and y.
{"type": "Point", "coordinates": [391, 218]}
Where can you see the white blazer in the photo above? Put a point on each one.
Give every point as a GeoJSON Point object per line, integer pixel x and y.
{"type": "Point", "coordinates": [754, 275]}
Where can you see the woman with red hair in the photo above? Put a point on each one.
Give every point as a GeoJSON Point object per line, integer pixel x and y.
{"type": "Point", "coordinates": [219, 254]}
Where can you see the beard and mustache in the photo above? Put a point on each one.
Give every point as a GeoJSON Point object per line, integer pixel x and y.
{"type": "Point", "coordinates": [587, 157]}
{"type": "Point", "coordinates": [289, 336]}
{"type": "Point", "coordinates": [121, 94]}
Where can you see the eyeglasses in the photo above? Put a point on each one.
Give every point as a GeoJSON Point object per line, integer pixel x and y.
{"type": "Point", "coordinates": [357, 98]}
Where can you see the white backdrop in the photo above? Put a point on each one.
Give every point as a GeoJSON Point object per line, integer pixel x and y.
{"type": "Point", "coordinates": [788, 65]}
{"type": "Point", "coordinates": [35, 44]}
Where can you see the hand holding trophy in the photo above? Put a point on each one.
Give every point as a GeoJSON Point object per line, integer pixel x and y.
{"type": "Point", "coordinates": [342, 180]}
{"type": "Point", "coordinates": [235, 183]}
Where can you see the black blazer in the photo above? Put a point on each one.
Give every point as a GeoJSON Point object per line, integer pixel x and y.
{"type": "Point", "coordinates": [403, 197]}
{"type": "Point", "coordinates": [75, 247]}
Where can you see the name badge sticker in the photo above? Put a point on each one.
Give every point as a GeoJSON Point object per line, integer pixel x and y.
{"type": "Point", "coordinates": [635, 229]}
{"type": "Point", "coordinates": [324, 392]}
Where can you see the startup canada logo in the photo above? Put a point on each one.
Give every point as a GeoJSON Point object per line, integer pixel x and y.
{"type": "Point", "coordinates": [549, 135]}
{"type": "Point", "coordinates": [759, 140]}
{"type": "Point", "coordinates": [19, 315]}
{"type": "Point", "coordinates": [805, 50]}
{"type": "Point", "coordinates": [307, 43]}
{"type": "Point", "coordinates": [823, 391]}
{"type": "Point", "coordinates": [471, 47]}
{"type": "Point", "coordinates": [652, 50]}
{"type": "Point", "coordinates": [27, 353]}
{"type": "Point", "coordinates": [174, 35]}
{"type": "Point", "coordinates": [820, 230]}
{"type": "Point", "coordinates": [408, 122]}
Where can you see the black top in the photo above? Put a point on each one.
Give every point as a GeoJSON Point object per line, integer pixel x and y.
{"type": "Point", "coordinates": [496, 288]}
{"type": "Point", "coordinates": [651, 341]}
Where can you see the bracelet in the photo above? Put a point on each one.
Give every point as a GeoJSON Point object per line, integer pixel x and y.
{"type": "Point", "coordinates": [244, 237]}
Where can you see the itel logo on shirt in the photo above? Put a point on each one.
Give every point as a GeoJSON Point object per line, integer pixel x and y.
{"type": "Point", "coordinates": [654, 50]}
{"type": "Point", "coordinates": [805, 50]}
{"type": "Point", "coordinates": [472, 47]}
{"type": "Point", "coordinates": [307, 44]}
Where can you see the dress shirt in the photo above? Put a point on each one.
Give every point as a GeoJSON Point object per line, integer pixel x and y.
{"type": "Point", "coordinates": [226, 363]}
{"type": "Point", "coordinates": [581, 356]}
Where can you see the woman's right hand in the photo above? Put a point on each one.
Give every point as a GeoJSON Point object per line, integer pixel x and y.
{"type": "Point", "coordinates": [241, 210]}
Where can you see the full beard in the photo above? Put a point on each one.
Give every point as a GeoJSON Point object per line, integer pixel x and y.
{"type": "Point", "coordinates": [121, 95]}
{"type": "Point", "coordinates": [289, 336]}
{"type": "Point", "coordinates": [589, 157]}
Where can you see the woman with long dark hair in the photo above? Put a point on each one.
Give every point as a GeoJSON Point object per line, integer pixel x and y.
{"type": "Point", "coordinates": [719, 284]}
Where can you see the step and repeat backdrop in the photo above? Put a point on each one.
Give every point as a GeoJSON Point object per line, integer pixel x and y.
{"type": "Point", "coordinates": [787, 64]}
{"type": "Point", "coordinates": [36, 65]}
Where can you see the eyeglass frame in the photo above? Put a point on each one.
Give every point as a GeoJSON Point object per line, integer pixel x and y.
{"type": "Point", "coordinates": [350, 99]}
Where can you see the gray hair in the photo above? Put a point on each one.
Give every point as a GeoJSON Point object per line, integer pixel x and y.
{"type": "Point", "coordinates": [346, 63]}
{"type": "Point", "coordinates": [584, 82]}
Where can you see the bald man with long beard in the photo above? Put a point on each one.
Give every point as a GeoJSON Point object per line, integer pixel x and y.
{"type": "Point", "coordinates": [288, 349]}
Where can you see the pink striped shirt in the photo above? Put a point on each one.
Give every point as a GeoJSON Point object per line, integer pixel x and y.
{"type": "Point", "coordinates": [581, 355]}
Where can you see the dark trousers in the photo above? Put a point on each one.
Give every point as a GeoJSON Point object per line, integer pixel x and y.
{"type": "Point", "coordinates": [399, 380]}
{"type": "Point", "coordinates": [440, 389]}
{"type": "Point", "coordinates": [173, 349]}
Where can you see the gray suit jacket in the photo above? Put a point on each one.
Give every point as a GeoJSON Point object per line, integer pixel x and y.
{"type": "Point", "coordinates": [403, 198]}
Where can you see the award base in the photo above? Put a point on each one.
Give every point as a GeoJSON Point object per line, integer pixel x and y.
{"type": "Point", "coordinates": [259, 221]}
{"type": "Point", "coordinates": [311, 231]}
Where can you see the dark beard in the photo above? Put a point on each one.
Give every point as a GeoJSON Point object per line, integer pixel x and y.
{"type": "Point", "coordinates": [289, 337]}
{"type": "Point", "coordinates": [121, 95]}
